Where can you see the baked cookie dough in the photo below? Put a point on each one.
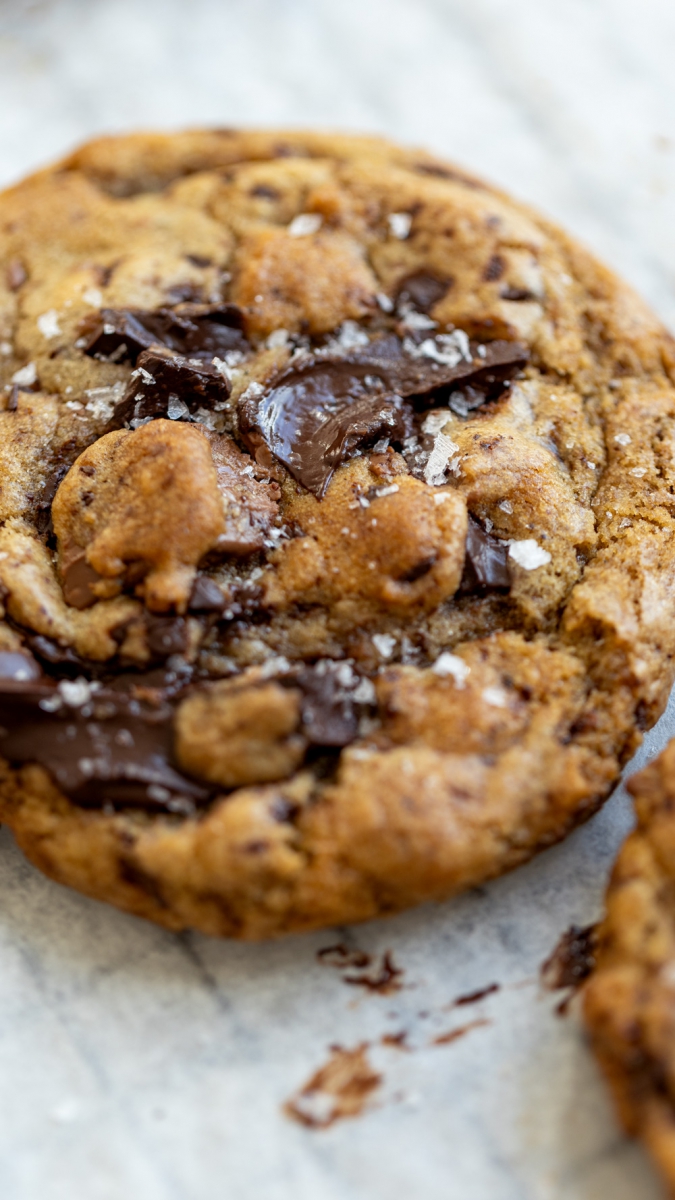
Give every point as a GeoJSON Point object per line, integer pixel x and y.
{"type": "Point", "coordinates": [336, 528]}
{"type": "Point", "coordinates": [629, 1003]}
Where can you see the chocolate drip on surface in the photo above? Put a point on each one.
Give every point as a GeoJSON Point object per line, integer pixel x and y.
{"type": "Point", "coordinates": [195, 330]}
{"type": "Point", "coordinates": [487, 561]}
{"type": "Point", "coordinates": [111, 749]}
{"type": "Point", "coordinates": [317, 414]}
{"type": "Point", "coordinates": [162, 379]}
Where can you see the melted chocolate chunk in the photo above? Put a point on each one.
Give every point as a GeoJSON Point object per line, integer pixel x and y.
{"type": "Point", "coordinates": [162, 380]}
{"type": "Point", "coordinates": [194, 330]}
{"type": "Point", "coordinates": [487, 561]}
{"type": "Point", "coordinates": [109, 749]}
{"type": "Point", "coordinates": [77, 578]}
{"type": "Point", "coordinates": [317, 414]}
{"type": "Point", "coordinates": [206, 596]}
{"type": "Point", "coordinates": [423, 289]}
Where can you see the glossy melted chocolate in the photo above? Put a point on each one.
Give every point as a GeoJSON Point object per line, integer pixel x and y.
{"type": "Point", "coordinates": [112, 749]}
{"type": "Point", "coordinates": [318, 413]}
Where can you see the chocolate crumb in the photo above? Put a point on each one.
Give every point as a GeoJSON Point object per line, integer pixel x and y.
{"type": "Point", "coordinates": [384, 979]}
{"type": "Point", "coordinates": [338, 1090]}
{"type": "Point", "coordinates": [570, 963]}
{"type": "Point", "coordinates": [399, 1040]}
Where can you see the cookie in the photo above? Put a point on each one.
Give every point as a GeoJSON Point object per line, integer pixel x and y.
{"type": "Point", "coordinates": [629, 1002]}
{"type": "Point", "coordinates": [336, 528]}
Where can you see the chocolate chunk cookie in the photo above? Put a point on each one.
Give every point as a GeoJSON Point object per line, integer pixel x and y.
{"type": "Point", "coordinates": [336, 528]}
{"type": "Point", "coordinates": [629, 1005]}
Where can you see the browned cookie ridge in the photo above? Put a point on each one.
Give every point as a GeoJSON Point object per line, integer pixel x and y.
{"type": "Point", "coordinates": [629, 1002]}
{"type": "Point", "coordinates": [336, 527]}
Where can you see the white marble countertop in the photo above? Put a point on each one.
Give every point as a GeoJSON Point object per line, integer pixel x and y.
{"type": "Point", "coordinates": [137, 1064]}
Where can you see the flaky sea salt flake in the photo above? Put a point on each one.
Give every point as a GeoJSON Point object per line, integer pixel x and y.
{"type": "Point", "coordinates": [451, 665]}
{"type": "Point", "coordinates": [48, 324]}
{"type": "Point", "coordinates": [400, 224]}
{"type": "Point", "coordinates": [439, 459]}
{"type": "Point", "coordinates": [529, 554]}
{"type": "Point", "coordinates": [385, 644]}
{"type": "Point", "coordinates": [305, 224]}
{"type": "Point", "coordinates": [25, 376]}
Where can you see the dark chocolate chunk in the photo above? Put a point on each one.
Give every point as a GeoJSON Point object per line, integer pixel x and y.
{"type": "Point", "coordinates": [166, 635]}
{"type": "Point", "coordinates": [516, 293]}
{"type": "Point", "coordinates": [161, 380]}
{"type": "Point", "coordinates": [194, 330]}
{"type": "Point", "coordinates": [53, 654]}
{"type": "Point", "coordinates": [317, 415]}
{"type": "Point", "coordinates": [328, 714]}
{"type": "Point", "coordinates": [101, 748]}
{"type": "Point", "coordinates": [416, 374]}
{"type": "Point", "coordinates": [423, 289]}
{"type": "Point", "coordinates": [16, 275]}
{"type": "Point", "coordinates": [487, 561]}
{"type": "Point", "coordinates": [494, 269]}
{"type": "Point", "coordinates": [19, 666]}
{"type": "Point", "coordinates": [77, 579]}
{"type": "Point", "coordinates": [206, 596]}
{"type": "Point", "coordinates": [330, 708]}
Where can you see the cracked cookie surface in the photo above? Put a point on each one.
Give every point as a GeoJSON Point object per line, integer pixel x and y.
{"type": "Point", "coordinates": [336, 527]}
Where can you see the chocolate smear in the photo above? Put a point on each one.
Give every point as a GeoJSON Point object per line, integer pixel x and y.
{"type": "Point", "coordinates": [100, 746]}
{"type": "Point", "coordinates": [166, 384]}
{"type": "Point", "coordinates": [384, 979]}
{"type": "Point", "coordinates": [343, 957]}
{"type": "Point", "coordinates": [486, 565]}
{"type": "Point", "coordinates": [339, 1089]}
{"type": "Point", "coordinates": [423, 289]}
{"type": "Point", "coordinates": [453, 1035]}
{"type": "Point", "coordinates": [319, 412]}
{"type": "Point", "coordinates": [570, 963]}
{"type": "Point", "coordinates": [200, 331]}
{"type": "Point", "coordinates": [474, 997]}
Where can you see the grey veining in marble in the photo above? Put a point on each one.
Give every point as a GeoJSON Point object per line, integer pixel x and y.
{"type": "Point", "coordinates": [137, 1064]}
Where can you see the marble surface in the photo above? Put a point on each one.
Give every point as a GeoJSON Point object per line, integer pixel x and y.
{"type": "Point", "coordinates": [134, 1063]}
